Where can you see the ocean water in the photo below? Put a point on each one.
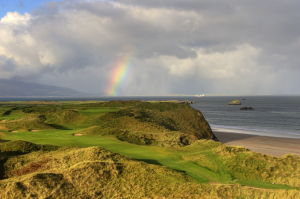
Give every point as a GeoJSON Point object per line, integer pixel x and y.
{"type": "Point", "coordinates": [272, 115]}
{"type": "Point", "coordinates": [277, 116]}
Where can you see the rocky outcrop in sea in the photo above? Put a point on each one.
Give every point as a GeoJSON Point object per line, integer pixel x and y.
{"type": "Point", "coordinates": [246, 108]}
{"type": "Point", "coordinates": [235, 102]}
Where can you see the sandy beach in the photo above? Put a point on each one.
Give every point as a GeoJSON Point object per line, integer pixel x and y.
{"type": "Point", "coordinates": [276, 146]}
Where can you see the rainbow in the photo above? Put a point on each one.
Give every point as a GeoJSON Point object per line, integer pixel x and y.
{"type": "Point", "coordinates": [120, 75]}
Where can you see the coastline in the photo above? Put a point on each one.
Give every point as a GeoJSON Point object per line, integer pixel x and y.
{"type": "Point", "coordinates": [269, 143]}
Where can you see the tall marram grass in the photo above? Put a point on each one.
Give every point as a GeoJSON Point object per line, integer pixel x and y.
{"type": "Point", "coordinates": [30, 122]}
{"type": "Point", "coordinates": [243, 164]}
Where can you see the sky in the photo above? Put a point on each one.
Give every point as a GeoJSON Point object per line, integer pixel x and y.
{"type": "Point", "coordinates": [20, 6]}
{"type": "Point", "coordinates": [157, 47]}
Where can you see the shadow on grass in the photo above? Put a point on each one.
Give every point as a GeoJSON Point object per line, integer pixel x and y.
{"type": "Point", "coordinates": [56, 126]}
{"type": "Point", "coordinates": [181, 171]}
{"type": "Point", "coordinates": [2, 172]}
{"type": "Point", "coordinates": [155, 162]}
{"type": "Point", "coordinates": [149, 161]}
{"type": "Point", "coordinates": [2, 141]}
{"type": "Point", "coordinates": [3, 158]}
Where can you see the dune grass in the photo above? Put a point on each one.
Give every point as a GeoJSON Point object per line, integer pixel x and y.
{"type": "Point", "coordinates": [93, 172]}
{"type": "Point", "coordinates": [264, 185]}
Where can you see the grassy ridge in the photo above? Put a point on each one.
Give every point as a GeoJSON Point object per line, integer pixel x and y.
{"type": "Point", "coordinates": [161, 124]}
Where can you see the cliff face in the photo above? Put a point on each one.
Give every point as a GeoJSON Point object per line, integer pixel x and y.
{"type": "Point", "coordinates": [205, 125]}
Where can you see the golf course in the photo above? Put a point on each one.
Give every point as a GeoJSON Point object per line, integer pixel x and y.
{"type": "Point", "coordinates": [130, 149]}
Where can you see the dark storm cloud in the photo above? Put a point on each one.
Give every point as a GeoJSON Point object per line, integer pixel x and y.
{"type": "Point", "coordinates": [175, 46]}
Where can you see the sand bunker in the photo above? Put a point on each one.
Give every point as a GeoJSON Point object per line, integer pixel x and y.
{"type": "Point", "coordinates": [33, 130]}
{"type": "Point", "coordinates": [14, 131]}
{"type": "Point", "coordinates": [77, 134]}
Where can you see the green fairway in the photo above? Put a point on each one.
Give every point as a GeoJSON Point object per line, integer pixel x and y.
{"type": "Point", "coordinates": [153, 155]}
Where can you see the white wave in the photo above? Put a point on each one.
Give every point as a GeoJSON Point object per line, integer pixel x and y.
{"type": "Point", "coordinates": [261, 132]}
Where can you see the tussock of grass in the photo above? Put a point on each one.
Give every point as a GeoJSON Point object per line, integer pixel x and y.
{"type": "Point", "coordinates": [21, 147]}
{"type": "Point", "coordinates": [99, 130]}
{"type": "Point", "coordinates": [62, 116]}
{"type": "Point", "coordinates": [249, 165]}
{"type": "Point", "coordinates": [243, 164]}
{"type": "Point", "coordinates": [15, 148]}
{"type": "Point", "coordinates": [26, 123]}
{"type": "Point", "coordinates": [201, 145]}
{"type": "Point", "coordinates": [54, 114]}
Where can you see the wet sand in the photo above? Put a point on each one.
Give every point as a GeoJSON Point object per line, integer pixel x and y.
{"type": "Point", "coordinates": [276, 146]}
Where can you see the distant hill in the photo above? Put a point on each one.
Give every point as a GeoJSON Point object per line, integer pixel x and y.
{"type": "Point", "coordinates": [13, 88]}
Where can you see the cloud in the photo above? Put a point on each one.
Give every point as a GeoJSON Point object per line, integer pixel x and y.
{"type": "Point", "coordinates": [179, 46]}
{"type": "Point", "coordinates": [21, 4]}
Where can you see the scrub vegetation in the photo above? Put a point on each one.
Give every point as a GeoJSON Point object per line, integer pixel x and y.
{"type": "Point", "coordinates": [130, 149]}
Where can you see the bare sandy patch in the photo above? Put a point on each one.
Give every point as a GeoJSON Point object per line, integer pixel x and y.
{"type": "Point", "coordinates": [14, 131]}
{"type": "Point", "coordinates": [33, 130]}
{"type": "Point", "coordinates": [77, 134]}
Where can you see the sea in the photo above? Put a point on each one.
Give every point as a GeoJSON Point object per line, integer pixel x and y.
{"type": "Point", "coordinates": [275, 116]}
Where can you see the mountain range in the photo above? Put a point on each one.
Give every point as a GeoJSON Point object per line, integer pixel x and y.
{"type": "Point", "coordinates": [15, 88]}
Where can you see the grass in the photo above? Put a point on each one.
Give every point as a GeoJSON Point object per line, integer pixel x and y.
{"type": "Point", "coordinates": [158, 155]}
{"type": "Point", "coordinates": [265, 185]}
{"type": "Point", "coordinates": [160, 134]}
{"type": "Point", "coordinates": [172, 158]}
{"type": "Point", "coordinates": [9, 113]}
{"type": "Point", "coordinates": [72, 172]}
{"type": "Point", "coordinates": [97, 111]}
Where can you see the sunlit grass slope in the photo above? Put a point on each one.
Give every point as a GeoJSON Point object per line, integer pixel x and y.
{"type": "Point", "coordinates": [93, 172]}
{"type": "Point", "coordinates": [203, 160]}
